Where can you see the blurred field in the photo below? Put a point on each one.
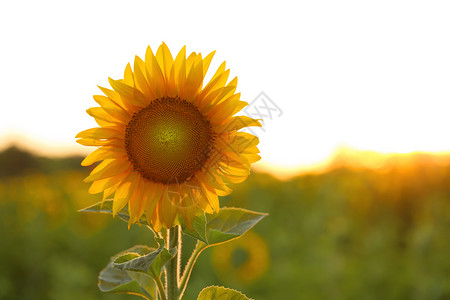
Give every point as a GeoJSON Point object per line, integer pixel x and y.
{"type": "Point", "coordinates": [352, 232]}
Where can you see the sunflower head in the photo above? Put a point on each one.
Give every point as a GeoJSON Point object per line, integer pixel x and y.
{"type": "Point", "coordinates": [168, 144]}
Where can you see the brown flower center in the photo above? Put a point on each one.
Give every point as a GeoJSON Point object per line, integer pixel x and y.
{"type": "Point", "coordinates": [168, 141]}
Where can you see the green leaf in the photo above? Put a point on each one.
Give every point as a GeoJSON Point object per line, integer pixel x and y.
{"type": "Point", "coordinates": [131, 271]}
{"type": "Point", "coordinates": [220, 293]}
{"type": "Point", "coordinates": [160, 261]}
{"type": "Point", "coordinates": [112, 280]}
{"type": "Point", "coordinates": [230, 223]}
{"type": "Point", "coordinates": [106, 208]}
{"type": "Point", "coordinates": [211, 229]}
{"type": "Point", "coordinates": [198, 230]}
{"type": "Point", "coordinates": [144, 259]}
{"type": "Point", "coordinates": [124, 257]}
{"type": "Point", "coordinates": [140, 263]}
{"type": "Point", "coordinates": [199, 224]}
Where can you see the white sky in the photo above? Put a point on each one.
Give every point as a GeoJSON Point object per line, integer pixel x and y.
{"type": "Point", "coordinates": [365, 74]}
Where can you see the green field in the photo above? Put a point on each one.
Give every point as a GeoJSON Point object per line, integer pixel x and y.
{"type": "Point", "coordinates": [348, 233]}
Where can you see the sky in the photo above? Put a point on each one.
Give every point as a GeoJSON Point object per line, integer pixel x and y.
{"type": "Point", "coordinates": [369, 75]}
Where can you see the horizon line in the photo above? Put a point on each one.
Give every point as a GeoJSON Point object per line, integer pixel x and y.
{"type": "Point", "coordinates": [341, 156]}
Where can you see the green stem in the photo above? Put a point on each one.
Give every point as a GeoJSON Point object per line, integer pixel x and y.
{"type": "Point", "coordinates": [173, 266]}
{"type": "Point", "coordinates": [162, 293]}
{"type": "Point", "coordinates": [189, 266]}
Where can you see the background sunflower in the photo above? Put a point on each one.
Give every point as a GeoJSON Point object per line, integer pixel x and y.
{"type": "Point", "coordinates": [242, 261]}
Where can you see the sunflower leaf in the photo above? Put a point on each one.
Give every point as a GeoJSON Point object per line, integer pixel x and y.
{"type": "Point", "coordinates": [158, 264]}
{"type": "Point", "coordinates": [112, 280]}
{"type": "Point", "coordinates": [198, 230]}
{"type": "Point", "coordinates": [218, 292]}
{"type": "Point", "coordinates": [143, 259]}
{"type": "Point", "coordinates": [227, 224]}
{"type": "Point", "coordinates": [230, 223]}
{"type": "Point", "coordinates": [106, 208]}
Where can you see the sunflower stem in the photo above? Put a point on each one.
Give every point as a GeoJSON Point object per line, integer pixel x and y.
{"type": "Point", "coordinates": [160, 287]}
{"type": "Point", "coordinates": [173, 266]}
{"type": "Point", "coordinates": [189, 266]}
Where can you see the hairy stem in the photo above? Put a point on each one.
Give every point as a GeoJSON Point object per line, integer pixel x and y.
{"type": "Point", "coordinates": [189, 266]}
{"type": "Point", "coordinates": [173, 266]}
{"type": "Point", "coordinates": [162, 292]}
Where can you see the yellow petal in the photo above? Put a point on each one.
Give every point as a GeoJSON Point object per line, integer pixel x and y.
{"type": "Point", "coordinates": [252, 157]}
{"type": "Point", "coordinates": [125, 190]}
{"type": "Point", "coordinates": [210, 194]}
{"type": "Point", "coordinates": [191, 60]}
{"type": "Point", "coordinates": [156, 220]}
{"type": "Point", "coordinates": [232, 85]}
{"type": "Point", "coordinates": [102, 117]}
{"type": "Point", "coordinates": [103, 184]}
{"type": "Point", "coordinates": [154, 73]}
{"type": "Point", "coordinates": [236, 123]}
{"type": "Point", "coordinates": [101, 133]}
{"type": "Point", "coordinates": [131, 94]}
{"type": "Point", "coordinates": [234, 171]}
{"type": "Point", "coordinates": [242, 140]}
{"type": "Point", "coordinates": [96, 142]}
{"type": "Point", "coordinates": [168, 209]}
{"type": "Point", "coordinates": [108, 168]}
{"type": "Point", "coordinates": [187, 209]}
{"type": "Point", "coordinates": [209, 102]}
{"type": "Point", "coordinates": [217, 81]}
{"type": "Point", "coordinates": [128, 75]}
{"type": "Point", "coordinates": [109, 191]}
{"type": "Point", "coordinates": [223, 110]}
{"type": "Point", "coordinates": [213, 179]}
{"type": "Point", "coordinates": [141, 80]}
{"type": "Point", "coordinates": [112, 108]}
{"type": "Point", "coordinates": [207, 61]}
{"type": "Point", "coordinates": [240, 105]}
{"type": "Point", "coordinates": [234, 178]}
{"type": "Point", "coordinates": [178, 72]}
{"type": "Point", "coordinates": [114, 97]}
{"type": "Point", "coordinates": [199, 196]}
{"type": "Point", "coordinates": [250, 150]}
{"type": "Point", "coordinates": [236, 160]}
{"type": "Point", "coordinates": [136, 204]}
{"type": "Point", "coordinates": [222, 94]}
{"type": "Point", "coordinates": [165, 59]}
{"type": "Point", "coordinates": [103, 153]}
{"type": "Point", "coordinates": [194, 80]}
{"type": "Point", "coordinates": [155, 192]}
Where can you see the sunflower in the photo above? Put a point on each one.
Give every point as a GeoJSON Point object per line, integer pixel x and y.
{"type": "Point", "coordinates": [244, 260]}
{"type": "Point", "coordinates": [168, 145]}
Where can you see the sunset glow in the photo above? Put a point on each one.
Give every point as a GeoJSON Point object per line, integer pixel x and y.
{"type": "Point", "coordinates": [343, 75]}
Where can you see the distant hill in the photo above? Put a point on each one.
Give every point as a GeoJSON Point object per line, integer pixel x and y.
{"type": "Point", "coordinates": [16, 162]}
